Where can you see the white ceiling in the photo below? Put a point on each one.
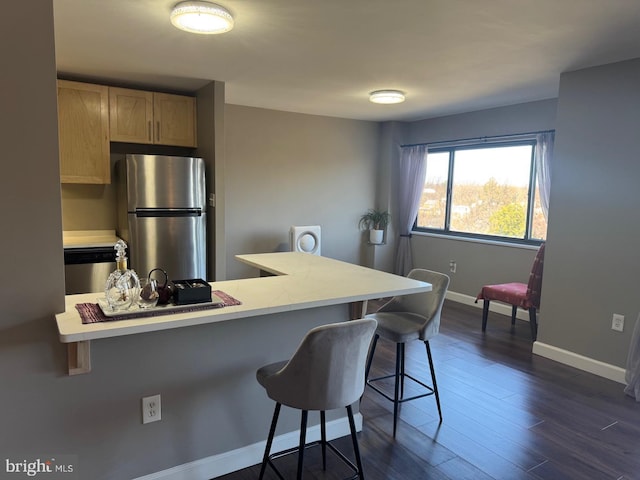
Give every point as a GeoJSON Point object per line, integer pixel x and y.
{"type": "Point", "coordinates": [324, 56]}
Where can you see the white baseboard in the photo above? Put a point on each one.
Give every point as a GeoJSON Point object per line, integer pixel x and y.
{"type": "Point", "coordinates": [227, 462]}
{"type": "Point", "coordinates": [566, 357]}
{"type": "Point", "coordinates": [580, 362]}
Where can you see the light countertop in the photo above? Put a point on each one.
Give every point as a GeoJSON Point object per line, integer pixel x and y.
{"type": "Point", "coordinates": [302, 281]}
{"type": "Point", "coordinates": [89, 238]}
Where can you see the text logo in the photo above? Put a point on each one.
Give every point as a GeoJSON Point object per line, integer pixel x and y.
{"type": "Point", "coordinates": [49, 467]}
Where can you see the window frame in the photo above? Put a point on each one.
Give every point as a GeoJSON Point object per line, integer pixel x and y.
{"type": "Point", "coordinates": [453, 147]}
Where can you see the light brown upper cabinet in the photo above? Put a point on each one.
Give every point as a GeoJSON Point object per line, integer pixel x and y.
{"type": "Point", "coordinates": [130, 115]}
{"type": "Point", "coordinates": [83, 129]}
{"type": "Point", "coordinates": [138, 116]}
{"type": "Point", "coordinates": [175, 117]}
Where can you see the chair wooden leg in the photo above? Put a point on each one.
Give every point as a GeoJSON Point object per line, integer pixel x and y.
{"type": "Point", "coordinates": [485, 314]}
{"type": "Point", "coordinates": [323, 439]}
{"type": "Point", "coordinates": [514, 312]}
{"type": "Point", "coordinates": [533, 323]}
{"type": "Point", "coordinates": [354, 439]}
{"type": "Point", "coordinates": [433, 379]}
{"type": "Point", "coordinates": [272, 431]}
{"type": "Point", "coordinates": [303, 435]}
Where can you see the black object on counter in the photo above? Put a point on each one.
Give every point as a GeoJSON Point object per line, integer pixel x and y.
{"type": "Point", "coordinates": [194, 290]}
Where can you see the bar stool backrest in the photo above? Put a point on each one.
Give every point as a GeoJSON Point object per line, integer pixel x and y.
{"type": "Point", "coordinates": [428, 304]}
{"type": "Point", "coordinates": [327, 370]}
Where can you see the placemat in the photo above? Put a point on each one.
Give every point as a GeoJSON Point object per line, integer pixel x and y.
{"type": "Point", "coordinates": [91, 312]}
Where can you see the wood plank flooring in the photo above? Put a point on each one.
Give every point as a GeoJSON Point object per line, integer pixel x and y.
{"type": "Point", "coordinates": [508, 414]}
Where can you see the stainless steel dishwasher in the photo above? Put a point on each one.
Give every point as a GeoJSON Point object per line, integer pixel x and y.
{"type": "Point", "coordinates": [86, 269]}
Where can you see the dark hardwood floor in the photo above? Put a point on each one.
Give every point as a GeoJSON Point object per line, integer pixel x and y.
{"type": "Point", "coordinates": [508, 414]}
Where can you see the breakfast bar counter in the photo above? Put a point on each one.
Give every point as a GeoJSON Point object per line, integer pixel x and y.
{"type": "Point", "coordinates": [215, 414]}
{"type": "Point", "coordinates": [298, 281]}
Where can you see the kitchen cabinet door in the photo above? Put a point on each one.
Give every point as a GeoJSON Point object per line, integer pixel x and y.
{"type": "Point", "coordinates": [130, 115]}
{"type": "Point", "coordinates": [83, 130]}
{"type": "Point", "coordinates": [175, 120]}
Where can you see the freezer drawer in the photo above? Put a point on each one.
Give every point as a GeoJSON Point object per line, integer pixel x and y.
{"type": "Point", "coordinates": [174, 243]}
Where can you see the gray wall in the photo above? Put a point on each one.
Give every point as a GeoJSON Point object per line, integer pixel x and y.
{"type": "Point", "coordinates": [478, 263]}
{"type": "Point", "coordinates": [592, 261]}
{"type": "Point", "coordinates": [31, 240]}
{"type": "Point", "coordinates": [206, 375]}
{"type": "Point", "coordinates": [285, 169]}
{"type": "Point", "coordinates": [392, 135]}
{"type": "Point", "coordinates": [210, 119]}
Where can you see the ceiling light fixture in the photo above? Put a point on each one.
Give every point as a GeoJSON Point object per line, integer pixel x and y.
{"type": "Point", "coordinates": [201, 17]}
{"type": "Point", "coordinates": [386, 96]}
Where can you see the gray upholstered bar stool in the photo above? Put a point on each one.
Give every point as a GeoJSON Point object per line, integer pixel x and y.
{"type": "Point", "coordinates": [327, 371]}
{"type": "Point", "coordinates": [405, 318]}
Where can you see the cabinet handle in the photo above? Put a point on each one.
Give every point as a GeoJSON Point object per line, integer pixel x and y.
{"type": "Point", "coordinates": [150, 131]}
{"type": "Point", "coordinates": [158, 131]}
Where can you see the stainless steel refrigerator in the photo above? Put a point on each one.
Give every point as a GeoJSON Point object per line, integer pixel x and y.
{"type": "Point", "coordinates": [162, 214]}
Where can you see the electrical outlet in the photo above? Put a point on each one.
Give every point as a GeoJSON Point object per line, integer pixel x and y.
{"type": "Point", "coordinates": [452, 266]}
{"type": "Point", "coordinates": [151, 409]}
{"type": "Point", "coordinates": [618, 322]}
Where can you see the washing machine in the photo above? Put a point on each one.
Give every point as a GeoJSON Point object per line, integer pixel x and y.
{"type": "Point", "coordinates": [305, 239]}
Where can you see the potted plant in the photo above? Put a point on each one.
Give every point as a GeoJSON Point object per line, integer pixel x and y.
{"type": "Point", "coordinates": [375, 221]}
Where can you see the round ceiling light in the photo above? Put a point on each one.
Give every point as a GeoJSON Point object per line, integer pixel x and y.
{"type": "Point", "coordinates": [386, 96]}
{"type": "Point", "coordinates": [201, 17]}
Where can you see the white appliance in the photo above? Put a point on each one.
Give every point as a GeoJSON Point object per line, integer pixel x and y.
{"type": "Point", "coordinates": [305, 239]}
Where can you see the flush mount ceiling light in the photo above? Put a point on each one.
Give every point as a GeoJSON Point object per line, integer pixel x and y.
{"type": "Point", "coordinates": [386, 96]}
{"type": "Point", "coordinates": [201, 17]}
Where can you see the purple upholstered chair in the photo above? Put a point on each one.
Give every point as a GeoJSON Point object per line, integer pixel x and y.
{"type": "Point", "coordinates": [516, 294]}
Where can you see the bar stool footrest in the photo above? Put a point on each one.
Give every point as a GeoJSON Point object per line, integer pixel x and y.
{"type": "Point", "coordinates": [289, 451]}
{"type": "Point", "coordinates": [430, 390]}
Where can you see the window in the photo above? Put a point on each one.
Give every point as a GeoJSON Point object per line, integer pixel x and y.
{"type": "Point", "coordinates": [484, 190]}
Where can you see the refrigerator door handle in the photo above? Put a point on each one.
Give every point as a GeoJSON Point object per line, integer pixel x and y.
{"type": "Point", "coordinates": [181, 212]}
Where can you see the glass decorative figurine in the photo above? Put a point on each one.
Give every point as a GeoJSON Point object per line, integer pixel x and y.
{"type": "Point", "coordinates": [123, 286]}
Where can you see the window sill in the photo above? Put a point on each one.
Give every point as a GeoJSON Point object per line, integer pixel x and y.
{"type": "Point", "coordinates": [458, 238]}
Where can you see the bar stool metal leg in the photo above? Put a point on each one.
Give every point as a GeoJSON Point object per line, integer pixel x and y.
{"type": "Point", "coordinates": [354, 439]}
{"type": "Point", "coordinates": [323, 438]}
{"type": "Point", "coordinates": [303, 435]}
{"type": "Point", "coordinates": [272, 431]}
{"type": "Point", "coordinates": [372, 350]}
{"type": "Point", "coordinates": [396, 398]}
{"type": "Point", "coordinates": [402, 373]}
{"type": "Point", "coordinates": [433, 379]}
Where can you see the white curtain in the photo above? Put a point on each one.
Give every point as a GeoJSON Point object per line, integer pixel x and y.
{"type": "Point", "coordinates": [632, 375]}
{"type": "Point", "coordinates": [413, 165]}
{"type": "Point", "coordinates": [544, 155]}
